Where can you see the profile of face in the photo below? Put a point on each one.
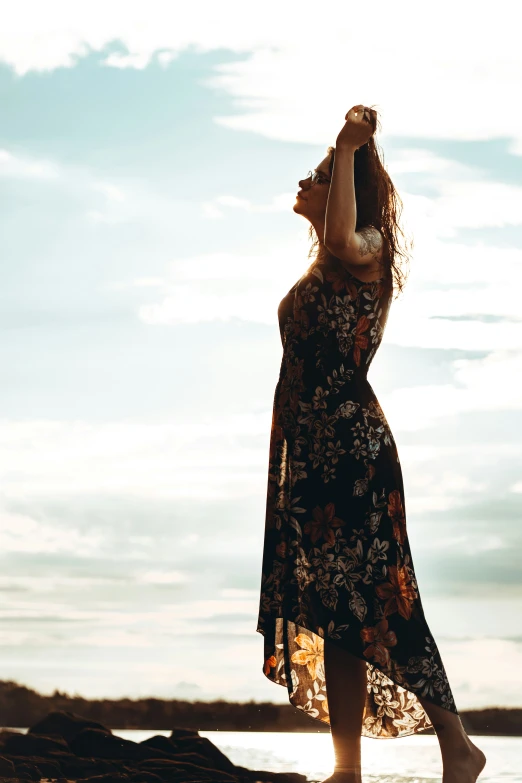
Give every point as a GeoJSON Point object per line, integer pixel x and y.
{"type": "Point", "coordinates": [312, 197]}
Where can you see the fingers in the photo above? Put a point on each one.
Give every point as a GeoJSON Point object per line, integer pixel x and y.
{"type": "Point", "coordinates": [359, 109]}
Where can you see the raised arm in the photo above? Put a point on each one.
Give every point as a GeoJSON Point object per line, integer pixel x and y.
{"type": "Point", "coordinates": [340, 237]}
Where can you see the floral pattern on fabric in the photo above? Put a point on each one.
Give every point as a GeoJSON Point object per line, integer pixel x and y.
{"type": "Point", "coordinates": [337, 562]}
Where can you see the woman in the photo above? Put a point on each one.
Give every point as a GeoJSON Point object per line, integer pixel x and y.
{"type": "Point", "coordinates": [340, 611]}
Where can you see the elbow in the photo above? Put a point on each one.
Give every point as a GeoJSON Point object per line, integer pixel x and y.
{"type": "Point", "coordinates": [338, 241]}
{"type": "Point", "coordinates": [334, 244]}
{"type": "Point", "coordinates": [341, 249]}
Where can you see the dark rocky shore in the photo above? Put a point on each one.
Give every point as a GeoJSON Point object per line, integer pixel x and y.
{"type": "Point", "coordinates": [64, 747]}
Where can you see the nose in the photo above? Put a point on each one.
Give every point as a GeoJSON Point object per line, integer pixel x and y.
{"type": "Point", "coordinates": [304, 183]}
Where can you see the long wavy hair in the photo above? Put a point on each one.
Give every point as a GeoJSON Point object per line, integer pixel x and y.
{"type": "Point", "coordinates": [378, 204]}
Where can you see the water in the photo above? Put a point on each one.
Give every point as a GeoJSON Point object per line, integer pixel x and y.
{"type": "Point", "coordinates": [402, 760]}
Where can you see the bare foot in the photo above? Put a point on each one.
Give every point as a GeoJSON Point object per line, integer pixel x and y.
{"type": "Point", "coordinates": [346, 776]}
{"type": "Point", "coordinates": [464, 767]}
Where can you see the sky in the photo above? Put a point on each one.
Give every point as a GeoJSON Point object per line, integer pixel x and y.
{"type": "Point", "coordinates": [149, 160]}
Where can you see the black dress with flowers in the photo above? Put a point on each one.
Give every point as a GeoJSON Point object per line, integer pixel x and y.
{"type": "Point", "coordinates": [336, 561]}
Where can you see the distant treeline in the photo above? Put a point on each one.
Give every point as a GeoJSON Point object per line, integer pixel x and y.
{"type": "Point", "coordinates": [21, 707]}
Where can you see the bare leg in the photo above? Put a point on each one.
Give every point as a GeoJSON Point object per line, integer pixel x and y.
{"type": "Point", "coordinates": [462, 761]}
{"type": "Point", "coordinates": [346, 690]}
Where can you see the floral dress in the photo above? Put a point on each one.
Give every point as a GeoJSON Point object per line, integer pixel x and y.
{"type": "Point", "coordinates": [336, 560]}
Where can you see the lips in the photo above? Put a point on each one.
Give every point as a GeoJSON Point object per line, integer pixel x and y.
{"type": "Point", "coordinates": [300, 195]}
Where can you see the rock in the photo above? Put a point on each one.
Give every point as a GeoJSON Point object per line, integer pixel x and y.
{"type": "Point", "coordinates": [265, 776]}
{"type": "Point", "coordinates": [182, 734]}
{"type": "Point", "coordinates": [6, 767]}
{"type": "Point", "coordinates": [112, 777]}
{"type": "Point", "coordinates": [183, 770]}
{"type": "Point", "coordinates": [145, 777]}
{"type": "Point", "coordinates": [196, 749]}
{"type": "Point", "coordinates": [77, 767]}
{"type": "Point", "coordinates": [65, 724]}
{"type": "Point", "coordinates": [65, 747]}
{"type": "Point", "coordinates": [26, 771]}
{"type": "Point", "coordinates": [32, 744]}
{"type": "Point", "coordinates": [49, 769]}
{"type": "Point", "coordinates": [98, 743]}
{"type": "Point", "coordinates": [280, 777]}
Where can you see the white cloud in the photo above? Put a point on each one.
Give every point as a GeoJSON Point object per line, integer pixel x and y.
{"type": "Point", "coordinates": [463, 200]}
{"type": "Point", "coordinates": [448, 477]}
{"type": "Point", "coordinates": [469, 664]}
{"type": "Point", "coordinates": [293, 84]}
{"type": "Point", "coordinates": [112, 192]}
{"type": "Point", "coordinates": [447, 278]}
{"type": "Point", "coordinates": [138, 282]}
{"type": "Point", "coordinates": [17, 167]}
{"type": "Point", "coordinates": [415, 160]}
{"type": "Point", "coordinates": [469, 545]}
{"type": "Point", "coordinates": [211, 457]}
{"type": "Point", "coordinates": [486, 385]}
{"type": "Point", "coordinates": [20, 533]}
{"type": "Point", "coordinates": [121, 200]}
{"type": "Point", "coordinates": [431, 485]}
{"type": "Point", "coordinates": [162, 578]}
{"type": "Point", "coordinates": [185, 305]}
{"type": "Point", "coordinates": [221, 286]}
{"type": "Point", "coordinates": [446, 281]}
{"type": "Point", "coordinates": [162, 459]}
{"type": "Point", "coordinates": [221, 283]}
{"type": "Point", "coordinates": [280, 203]}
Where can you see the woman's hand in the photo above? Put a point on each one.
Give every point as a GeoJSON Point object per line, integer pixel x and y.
{"type": "Point", "coordinates": [359, 127]}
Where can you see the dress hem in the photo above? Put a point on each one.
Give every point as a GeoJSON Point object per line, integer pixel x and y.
{"type": "Point", "coordinates": [429, 729]}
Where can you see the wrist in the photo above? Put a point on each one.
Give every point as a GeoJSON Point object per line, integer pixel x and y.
{"type": "Point", "coordinates": [345, 147]}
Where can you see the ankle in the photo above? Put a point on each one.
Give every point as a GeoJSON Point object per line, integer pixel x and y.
{"type": "Point", "coordinates": [457, 745]}
{"type": "Point", "coordinates": [347, 774]}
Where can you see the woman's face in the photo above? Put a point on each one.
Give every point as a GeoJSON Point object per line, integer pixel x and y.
{"type": "Point", "coordinates": [312, 196]}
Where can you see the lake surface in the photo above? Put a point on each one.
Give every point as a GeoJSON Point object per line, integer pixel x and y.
{"type": "Point", "coordinates": [402, 760]}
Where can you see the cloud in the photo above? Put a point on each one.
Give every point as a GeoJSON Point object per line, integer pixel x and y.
{"type": "Point", "coordinates": [162, 578]}
{"type": "Point", "coordinates": [18, 167]}
{"type": "Point", "coordinates": [444, 96]}
{"type": "Point", "coordinates": [483, 385]}
{"type": "Point", "coordinates": [162, 459]}
{"type": "Point", "coordinates": [146, 534]}
{"type": "Point", "coordinates": [448, 280]}
{"type": "Point", "coordinates": [223, 286]}
{"type": "Point", "coordinates": [469, 545]}
{"type": "Point", "coordinates": [483, 317]}
{"type": "Point", "coordinates": [469, 664]}
{"type": "Point", "coordinates": [121, 199]}
{"type": "Point", "coordinates": [221, 283]}
{"type": "Point", "coordinates": [280, 203]}
{"type": "Point", "coordinates": [20, 533]}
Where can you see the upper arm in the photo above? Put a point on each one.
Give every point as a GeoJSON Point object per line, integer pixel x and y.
{"type": "Point", "coordinates": [365, 247]}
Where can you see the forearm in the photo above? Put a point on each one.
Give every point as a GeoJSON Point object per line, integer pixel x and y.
{"type": "Point", "coordinates": [341, 210]}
